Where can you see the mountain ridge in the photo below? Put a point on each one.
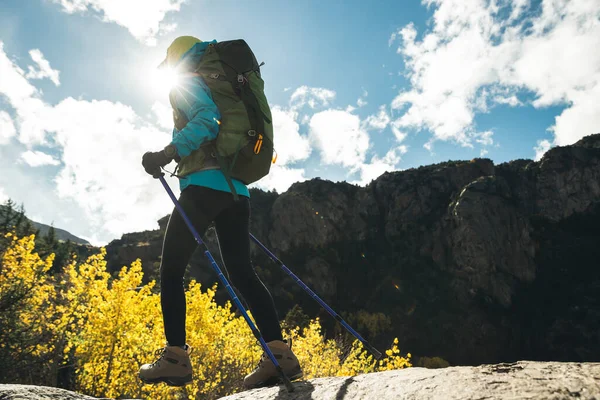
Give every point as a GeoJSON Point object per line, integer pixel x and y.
{"type": "Point", "coordinates": [466, 260]}
{"type": "Point", "coordinates": [61, 234]}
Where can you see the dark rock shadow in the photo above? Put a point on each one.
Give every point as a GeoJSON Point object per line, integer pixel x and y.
{"type": "Point", "coordinates": [302, 391]}
{"type": "Point", "coordinates": [344, 389]}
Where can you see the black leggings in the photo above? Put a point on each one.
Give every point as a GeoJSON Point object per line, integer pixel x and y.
{"type": "Point", "coordinates": [203, 206]}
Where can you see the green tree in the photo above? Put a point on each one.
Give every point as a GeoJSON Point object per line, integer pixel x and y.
{"type": "Point", "coordinates": [13, 219]}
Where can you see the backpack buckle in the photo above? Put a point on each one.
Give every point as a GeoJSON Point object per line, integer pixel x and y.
{"type": "Point", "coordinates": [251, 133]}
{"type": "Point", "coordinates": [242, 79]}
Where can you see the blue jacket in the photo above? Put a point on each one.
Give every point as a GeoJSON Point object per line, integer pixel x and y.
{"type": "Point", "coordinates": [192, 97]}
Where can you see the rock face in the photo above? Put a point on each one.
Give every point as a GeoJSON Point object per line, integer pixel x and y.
{"type": "Point", "coordinates": [470, 261]}
{"type": "Point", "coordinates": [522, 380]}
{"type": "Point", "coordinates": [31, 392]}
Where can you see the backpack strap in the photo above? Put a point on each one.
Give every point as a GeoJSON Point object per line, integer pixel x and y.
{"type": "Point", "coordinates": [226, 170]}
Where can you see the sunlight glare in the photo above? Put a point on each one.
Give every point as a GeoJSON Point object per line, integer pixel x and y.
{"type": "Point", "coordinates": [163, 80]}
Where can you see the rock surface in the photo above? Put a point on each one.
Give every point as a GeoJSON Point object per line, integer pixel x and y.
{"type": "Point", "coordinates": [469, 261]}
{"type": "Point", "coordinates": [521, 380]}
{"type": "Point", "coordinates": [31, 392]}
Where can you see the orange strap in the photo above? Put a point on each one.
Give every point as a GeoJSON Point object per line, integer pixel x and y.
{"type": "Point", "coordinates": [258, 144]}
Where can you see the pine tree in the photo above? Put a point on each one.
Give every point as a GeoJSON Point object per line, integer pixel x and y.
{"type": "Point", "coordinates": [47, 244]}
{"type": "Point", "coordinates": [6, 212]}
{"type": "Point", "coordinates": [62, 256]}
{"type": "Point", "coordinates": [13, 219]}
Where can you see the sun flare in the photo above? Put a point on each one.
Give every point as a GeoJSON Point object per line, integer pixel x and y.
{"type": "Point", "coordinates": [163, 80]}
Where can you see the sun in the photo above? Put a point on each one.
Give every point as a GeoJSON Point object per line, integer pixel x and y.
{"type": "Point", "coordinates": [164, 79]}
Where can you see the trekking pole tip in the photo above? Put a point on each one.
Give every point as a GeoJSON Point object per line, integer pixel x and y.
{"type": "Point", "coordinates": [376, 353]}
{"type": "Point", "coordinates": [286, 380]}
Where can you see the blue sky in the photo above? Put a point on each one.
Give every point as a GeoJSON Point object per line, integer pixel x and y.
{"type": "Point", "coordinates": [357, 88]}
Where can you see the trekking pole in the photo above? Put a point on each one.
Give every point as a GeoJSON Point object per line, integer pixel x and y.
{"type": "Point", "coordinates": [236, 300]}
{"type": "Point", "coordinates": [335, 315]}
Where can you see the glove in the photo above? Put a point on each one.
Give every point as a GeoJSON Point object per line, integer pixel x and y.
{"type": "Point", "coordinates": [153, 161]}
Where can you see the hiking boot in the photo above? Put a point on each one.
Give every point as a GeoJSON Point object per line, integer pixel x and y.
{"type": "Point", "coordinates": [265, 373]}
{"type": "Point", "coordinates": [172, 367]}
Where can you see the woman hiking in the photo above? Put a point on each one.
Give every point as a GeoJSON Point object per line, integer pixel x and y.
{"type": "Point", "coordinates": [207, 196]}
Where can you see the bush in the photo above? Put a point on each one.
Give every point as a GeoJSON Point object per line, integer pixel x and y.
{"type": "Point", "coordinates": [25, 294]}
{"type": "Point", "coordinates": [104, 328]}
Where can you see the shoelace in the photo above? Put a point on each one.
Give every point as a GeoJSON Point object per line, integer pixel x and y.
{"type": "Point", "coordinates": [263, 358]}
{"type": "Point", "coordinates": [160, 353]}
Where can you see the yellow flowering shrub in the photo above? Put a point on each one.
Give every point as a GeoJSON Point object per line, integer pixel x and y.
{"type": "Point", "coordinates": [104, 328]}
{"type": "Point", "coordinates": [25, 292]}
{"type": "Point", "coordinates": [320, 357]}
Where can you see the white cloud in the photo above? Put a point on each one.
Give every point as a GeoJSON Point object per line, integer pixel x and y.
{"type": "Point", "coordinates": [3, 196]}
{"type": "Point", "coordinates": [541, 149]}
{"type": "Point", "coordinates": [339, 137]}
{"type": "Point", "coordinates": [280, 178]}
{"type": "Point", "coordinates": [393, 37]}
{"type": "Point", "coordinates": [519, 7]}
{"type": "Point", "coordinates": [474, 58]}
{"type": "Point", "coordinates": [313, 97]}
{"type": "Point", "coordinates": [143, 18]}
{"type": "Point", "coordinates": [12, 82]}
{"type": "Point", "coordinates": [512, 100]}
{"type": "Point", "coordinates": [25, 99]}
{"type": "Point", "coordinates": [7, 128]}
{"type": "Point", "coordinates": [38, 159]}
{"type": "Point", "coordinates": [44, 70]}
{"type": "Point", "coordinates": [581, 119]}
{"type": "Point", "coordinates": [378, 166]}
{"type": "Point", "coordinates": [485, 138]}
{"type": "Point", "coordinates": [398, 132]}
{"type": "Point", "coordinates": [290, 145]}
{"type": "Point", "coordinates": [102, 169]}
{"type": "Point", "coordinates": [101, 144]}
{"type": "Point", "coordinates": [164, 115]}
{"type": "Point", "coordinates": [379, 121]}
{"type": "Point", "coordinates": [362, 101]}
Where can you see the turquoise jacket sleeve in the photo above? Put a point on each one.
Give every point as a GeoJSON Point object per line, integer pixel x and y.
{"type": "Point", "coordinates": [193, 98]}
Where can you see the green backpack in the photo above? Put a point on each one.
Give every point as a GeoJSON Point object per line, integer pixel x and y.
{"type": "Point", "coordinates": [243, 149]}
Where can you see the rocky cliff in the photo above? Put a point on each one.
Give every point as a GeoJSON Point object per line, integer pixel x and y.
{"type": "Point", "coordinates": [467, 260]}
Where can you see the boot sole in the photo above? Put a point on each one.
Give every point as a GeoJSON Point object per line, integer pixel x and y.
{"type": "Point", "coordinates": [275, 380]}
{"type": "Point", "coordinates": [171, 381]}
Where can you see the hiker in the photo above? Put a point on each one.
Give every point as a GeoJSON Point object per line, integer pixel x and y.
{"type": "Point", "coordinates": [210, 192]}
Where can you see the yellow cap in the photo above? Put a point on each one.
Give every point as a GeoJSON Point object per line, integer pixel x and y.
{"type": "Point", "coordinates": [178, 48]}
